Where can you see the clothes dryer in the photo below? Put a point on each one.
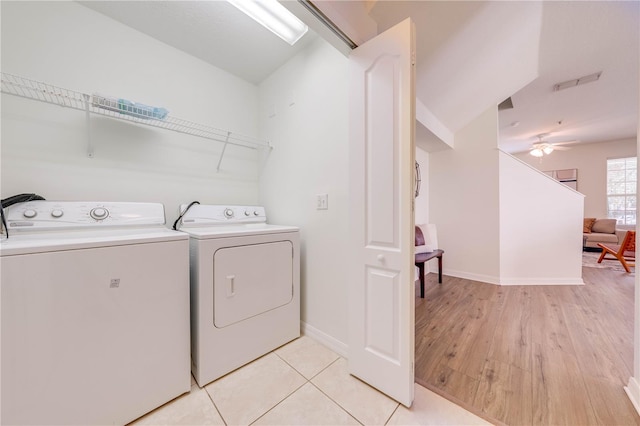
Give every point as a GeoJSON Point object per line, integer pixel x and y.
{"type": "Point", "coordinates": [245, 287]}
{"type": "Point", "coordinates": [95, 312]}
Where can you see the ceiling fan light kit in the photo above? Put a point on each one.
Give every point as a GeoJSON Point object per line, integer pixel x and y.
{"type": "Point", "coordinates": [542, 147]}
{"type": "Point", "coordinates": [536, 152]}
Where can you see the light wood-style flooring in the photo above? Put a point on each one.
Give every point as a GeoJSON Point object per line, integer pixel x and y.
{"type": "Point", "coordinates": [530, 355]}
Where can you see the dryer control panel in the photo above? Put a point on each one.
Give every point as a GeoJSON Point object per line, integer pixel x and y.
{"type": "Point", "coordinates": [53, 215]}
{"type": "Point", "coordinates": [213, 214]}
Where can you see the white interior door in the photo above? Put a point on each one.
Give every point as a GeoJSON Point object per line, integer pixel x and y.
{"type": "Point", "coordinates": [381, 293]}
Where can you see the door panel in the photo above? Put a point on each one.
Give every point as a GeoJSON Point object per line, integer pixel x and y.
{"type": "Point", "coordinates": [381, 156]}
{"type": "Point", "coordinates": [382, 301]}
{"type": "Point", "coordinates": [251, 280]}
{"type": "Point", "coordinates": [381, 292]}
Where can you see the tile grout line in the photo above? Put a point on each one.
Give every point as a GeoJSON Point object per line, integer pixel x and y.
{"type": "Point", "coordinates": [279, 402]}
{"type": "Point", "coordinates": [214, 404]}
{"type": "Point", "coordinates": [336, 402]}
{"type": "Point", "coordinates": [391, 415]}
{"type": "Point", "coordinates": [320, 390]}
{"type": "Point", "coordinates": [307, 380]}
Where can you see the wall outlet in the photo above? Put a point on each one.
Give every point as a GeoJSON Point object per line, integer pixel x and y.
{"type": "Point", "coordinates": [322, 201]}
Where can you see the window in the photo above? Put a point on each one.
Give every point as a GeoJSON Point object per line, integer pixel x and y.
{"type": "Point", "coordinates": [622, 175]}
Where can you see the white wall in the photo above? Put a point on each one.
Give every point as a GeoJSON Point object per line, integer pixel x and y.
{"type": "Point", "coordinates": [540, 227]}
{"type": "Point", "coordinates": [309, 95]}
{"type": "Point", "coordinates": [591, 162]}
{"type": "Point", "coordinates": [498, 219]}
{"type": "Point", "coordinates": [463, 201]}
{"type": "Point", "coordinates": [44, 146]}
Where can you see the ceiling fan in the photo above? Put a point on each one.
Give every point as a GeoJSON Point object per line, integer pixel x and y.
{"type": "Point", "coordinates": [543, 147]}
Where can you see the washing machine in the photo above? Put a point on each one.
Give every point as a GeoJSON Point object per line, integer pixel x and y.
{"type": "Point", "coordinates": [95, 312]}
{"type": "Point", "coordinates": [245, 286]}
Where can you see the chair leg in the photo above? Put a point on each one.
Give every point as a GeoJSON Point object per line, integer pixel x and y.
{"type": "Point", "coordinates": [624, 264]}
{"type": "Point", "coordinates": [421, 269]}
{"type": "Point", "coordinates": [603, 254]}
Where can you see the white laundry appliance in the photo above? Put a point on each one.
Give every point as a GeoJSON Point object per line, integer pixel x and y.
{"type": "Point", "coordinates": [245, 287]}
{"type": "Point", "coordinates": [95, 312]}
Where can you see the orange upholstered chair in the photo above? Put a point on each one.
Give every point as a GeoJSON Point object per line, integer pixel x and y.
{"type": "Point", "coordinates": [625, 253]}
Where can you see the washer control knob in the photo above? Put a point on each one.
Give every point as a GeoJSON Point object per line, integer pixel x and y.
{"type": "Point", "coordinates": [30, 213]}
{"type": "Point", "coordinates": [99, 213]}
{"type": "Point", "coordinates": [228, 213]}
{"type": "Point", "coordinates": [57, 213]}
{"type": "Point", "coordinates": [246, 213]}
{"type": "Point", "coordinates": [256, 213]}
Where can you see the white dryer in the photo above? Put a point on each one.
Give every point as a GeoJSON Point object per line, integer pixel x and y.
{"type": "Point", "coordinates": [95, 312]}
{"type": "Point", "coordinates": [245, 287]}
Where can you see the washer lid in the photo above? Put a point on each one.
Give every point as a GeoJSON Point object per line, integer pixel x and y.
{"type": "Point", "coordinates": [238, 230]}
{"type": "Point", "coordinates": [18, 244]}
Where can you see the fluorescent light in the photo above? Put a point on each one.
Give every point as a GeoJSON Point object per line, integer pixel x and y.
{"type": "Point", "coordinates": [274, 17]}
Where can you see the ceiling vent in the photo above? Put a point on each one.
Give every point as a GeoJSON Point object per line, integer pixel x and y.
{"type": "Point", "coordinates": [576, 82]}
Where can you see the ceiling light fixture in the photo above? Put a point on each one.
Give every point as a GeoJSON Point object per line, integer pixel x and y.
{"type": "Point", "coordinates": [577, 81]}
{"type": "Point", "coordinates": [536, 152]}
{"type": "Point", "coordinates": [540, 149]}
{"type": "Point", "coordinates": [274, 17]}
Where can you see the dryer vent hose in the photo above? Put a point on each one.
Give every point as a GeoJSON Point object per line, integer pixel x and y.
{"type": "Point", "coordinates": [6, 202]}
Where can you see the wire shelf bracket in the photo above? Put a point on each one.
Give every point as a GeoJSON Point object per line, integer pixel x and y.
{"type": "Point", "coordinates": [121, 110]}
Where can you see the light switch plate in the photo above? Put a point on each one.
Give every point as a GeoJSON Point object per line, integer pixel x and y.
{"type": "Point", "coordinates": [322, 201]}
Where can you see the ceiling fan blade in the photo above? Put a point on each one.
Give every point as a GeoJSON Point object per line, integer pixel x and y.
{"type": "Point", "coordinates": [571, 142]}
{"type": "Point", "coordinates": [561, 148]}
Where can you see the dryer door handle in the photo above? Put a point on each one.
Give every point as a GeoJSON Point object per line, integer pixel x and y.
{"type": "Point", "coordinates": [231, 289]}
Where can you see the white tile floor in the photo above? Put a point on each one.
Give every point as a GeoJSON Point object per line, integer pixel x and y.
{"type": "Point", "coordinates": [301, 383]}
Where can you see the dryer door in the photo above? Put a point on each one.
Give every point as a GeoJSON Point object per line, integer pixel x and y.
{"type": "Point", "coordinates": [250, 280]}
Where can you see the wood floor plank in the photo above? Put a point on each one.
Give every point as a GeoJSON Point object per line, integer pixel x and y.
{"type": "Point", "coordinates": [549, 328]}
{"type": "Point", "coordinates": [610, 403]}
{"type": "Point", "coordinates": [559, 394]}
{"type": "Point", "coordinates": [454, 383]}
{"type": "Point", "coordinates": [505, 392]}
{"type": "Point", "coordinates": [512, 340]}
{"type": "Point", "coordinates": [468, 354]}
{"type": "Point", "coordinates": [571, 345]}
{"type": "Point", "coordinates": [593, 348]}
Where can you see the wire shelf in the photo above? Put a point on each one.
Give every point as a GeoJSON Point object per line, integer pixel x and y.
{"type": "Point", "coordinates": [121, 110]}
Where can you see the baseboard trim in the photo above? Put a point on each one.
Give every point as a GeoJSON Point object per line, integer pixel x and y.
{"type": "Point", "coordinates": [489, 279]}
{"type": "Point", "coordinates": [330, 342]}
{"type": "Point", "coordinates": [541, 281]}
{"type": "Point", "coordinates": [496, 280]}
{"type": "Point", "coordinates": [633, 392]}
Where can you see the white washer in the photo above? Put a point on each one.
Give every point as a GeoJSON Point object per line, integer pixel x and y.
{"type": "Point", "coordinates": [245, 287]}
{"type": "Point", "coordinates": [95, 312]}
